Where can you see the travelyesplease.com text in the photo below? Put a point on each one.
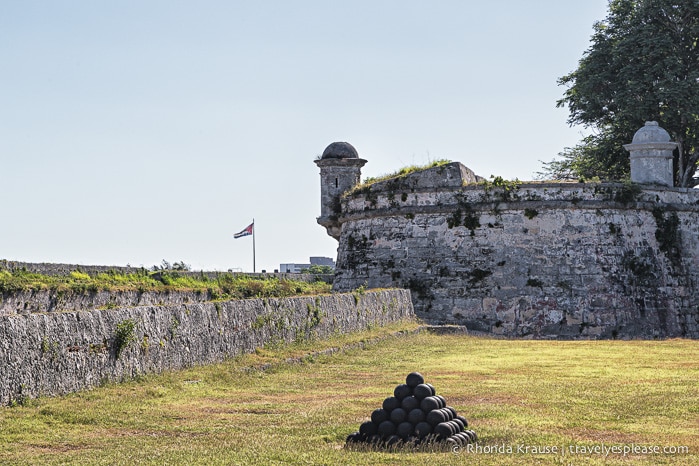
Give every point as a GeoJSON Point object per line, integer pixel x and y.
{"type": "Point", "coordinates": [601, 449]}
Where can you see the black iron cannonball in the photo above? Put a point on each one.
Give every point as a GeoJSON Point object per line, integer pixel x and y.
{"type": "Point", "coordinates": [393, 440]}
{"type": "Point", "coordinates": [432, 389]}
{"type": "Point", "coordinates": [414, 379]}
{"type": "Point", "coordinates": [455, 426]}
{"type": "Point", "coordinates": [402, 391]}
{"type": "Point", "coordinates": [430, 403]}
{"type": "Point", "coordinates": [436, 416]}
{"type": "Point", "coordinates": [472, 434]}
{"type": "Point", "coordinates": [386, 429]}
{"type": "Point", "coordinates": [398, 415]}
{"type": "Point", "coordinates": [391, 403]}
{"type": "Point", "coordinates": [449, 414]}
{"type": "Point", "coordinates": [411, 441]}
{"type": "Point", "coordinates": [462, 419]}
{"type": "Point", "coordinates": [355, 437]}
{"type": "Point", "coordinates": [422, 391]}
{"type": "Point", "coordinates": [460, 423]}
{"type": "Point", "coordinates": [443, 430]}
{"type": "Point", "coordinates": [423, 429]}
{"type": "Point", "coordinates": [368, 428]}
{"type": "Point", "coordinates": [416, 415]}
{"type": "Point", "coordinates": [409, 403]}
{"type": "Point", "coordinates": [442, 401]}
{"type": "Point", "coordinates": [462, 438]}
{"type": "Point", "coordinates": [404, 430]}
{"type": "Point", "coordinates": [379, 415]}
{"type": "Point", "coordinates": [453, 411]}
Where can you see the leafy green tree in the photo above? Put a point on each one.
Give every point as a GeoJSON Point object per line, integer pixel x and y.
{"type": "Point", "coordinates": [319, 270]}
{"type": "Point", "coordinates": [643, 65]}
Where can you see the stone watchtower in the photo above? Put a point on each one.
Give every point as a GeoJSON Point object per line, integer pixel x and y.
{"type": "Point", "coordinates": [651, 155]}
{"type": "Point", "coordinates": [340, 170]}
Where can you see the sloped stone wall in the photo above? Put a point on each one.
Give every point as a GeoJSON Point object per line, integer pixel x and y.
{"type": "Point", "coordinates": [58, 353]}
{"type": "Point", "coordinates": [538, 260]}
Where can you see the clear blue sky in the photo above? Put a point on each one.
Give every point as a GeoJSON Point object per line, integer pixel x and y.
{"type": "Point", "coordinates": [134, 131]}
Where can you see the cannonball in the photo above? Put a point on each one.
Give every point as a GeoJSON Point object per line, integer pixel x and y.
{"type": "Point", "coordinates": [448, 413]}
{"type": "Point", "coordinates": [391, 403]}
{"type": "Point", "coordinates": [430, 403]}
{"type": "Point", "coordinates": [386, 429]}
{"type": "Point", "coordinates": [460, 423]}
{"type": "Point", "coordinates": [462, 419]}
{"type": "Point", "coordinates": [442, 401]}
{"type": "Point", "coordinates": [472, 434]}
{"type": "Point", "coordinates": [452, 442]}
{"type": "Point", "coordinates": [423, 429]}
{"type": "Point", "coordinates": [422, 391]}
{"type": "Point", "coordinates": [402, 391]}
{"type": "Point", "coordinates": [453, 411]}
{"type": "Point", "coordinates": [355, 437]}
{"type": "Point", "coordinates": [436, 416]}
{"type": "Point", "coordinates": [416, 415]}
{"type": "Point", "coordinates": [368, 428]}
{"type": "Point", "coordinates": [393, 440]}
{"type": "Point", "coordinates": [404, 429]}
{"type": "Point", "coordinates": [455, 426]}
{"type": "Point", "coordinates": [379, 415]}
{"type": "Point", "coordinates": [434, 392]}
{"type": "Point", "coordinates": [409, 403]}
{"type": "Point", "coordinates": [374, 439]}
{"type": "Point", "coordinates": [462, 438]}
{"type": "Point", "coordinates": [411, 441]}
{"type": "Point", "coordinates": [443, 430]}
{"type": "Point", "coordinates": [398, 415]}
{"type": "Point", "coordinates": [414, 379]}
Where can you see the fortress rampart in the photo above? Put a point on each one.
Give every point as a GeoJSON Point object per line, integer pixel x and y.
{"type": "Point", "coordinates": [533, 260]}
{"type": "Point", "coordinates": [56, 353]}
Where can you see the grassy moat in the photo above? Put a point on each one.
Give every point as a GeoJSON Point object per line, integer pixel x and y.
{"type": "Point", "coordinates": [521, 397]}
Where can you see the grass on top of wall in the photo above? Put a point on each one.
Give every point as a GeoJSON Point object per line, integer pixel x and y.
{"type": "Point", "coordinates": [579, 395]}
{"type": "Point", "coordinates": [224, 286]}
{"type": "Point", "coordinates": [400, 173]}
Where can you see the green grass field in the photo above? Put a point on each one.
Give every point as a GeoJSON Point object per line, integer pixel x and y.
{"type": "Point", "coordinates": [516, 394]}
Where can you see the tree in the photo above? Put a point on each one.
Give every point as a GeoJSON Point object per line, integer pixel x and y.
{"type": "Point", "coordinates": [643, 65]}
{"type": "Point", "coordinates": [179, 266]}
{"type": "Point", "coordinates": [319, 269]}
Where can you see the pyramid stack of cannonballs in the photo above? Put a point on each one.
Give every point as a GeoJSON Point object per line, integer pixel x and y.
{"type": "Point", "coordinates": [414, 415]}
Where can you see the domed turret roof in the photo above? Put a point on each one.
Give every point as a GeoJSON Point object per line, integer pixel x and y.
{"type": "Point", "coordinates": [650, 133]}
{"type": "Point", "coordinates": [340, 150]}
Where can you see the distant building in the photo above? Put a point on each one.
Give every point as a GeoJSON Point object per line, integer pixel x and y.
{"type": "Point", "coordinates": [322, 261]}
{"type": "Point", "coordinates": [297, 268]}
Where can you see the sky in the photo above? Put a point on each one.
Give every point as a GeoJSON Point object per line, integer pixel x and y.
{"type": "Point", "coordinates": [137, 131]}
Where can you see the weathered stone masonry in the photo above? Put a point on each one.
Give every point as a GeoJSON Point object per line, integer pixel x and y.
{"type": "Point", "coordinates": [537, 260]}
{"type": "Point", "coordinates": [57, 353]}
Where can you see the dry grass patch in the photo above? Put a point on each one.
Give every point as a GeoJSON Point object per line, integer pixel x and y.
{"type": "Point", "coordinates": [513, 393]}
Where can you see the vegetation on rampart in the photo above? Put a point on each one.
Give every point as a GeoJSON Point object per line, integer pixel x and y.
{"type": "Point", "coordinates": [398, 174]}
{"type": "Point", "coordinates": [223, 286]}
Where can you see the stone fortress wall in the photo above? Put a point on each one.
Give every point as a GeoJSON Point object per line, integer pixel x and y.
{"type": "Point", "coordinates": [533, 260]}
{"type": "Point", "coordinates": [45, 354]}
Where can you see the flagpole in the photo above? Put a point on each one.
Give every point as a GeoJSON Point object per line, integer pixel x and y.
{"type": "Point", "coordinates": [253, 246]}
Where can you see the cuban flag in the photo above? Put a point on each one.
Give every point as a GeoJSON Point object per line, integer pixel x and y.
{"type": "Point", "coordinates": [246, 232]}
